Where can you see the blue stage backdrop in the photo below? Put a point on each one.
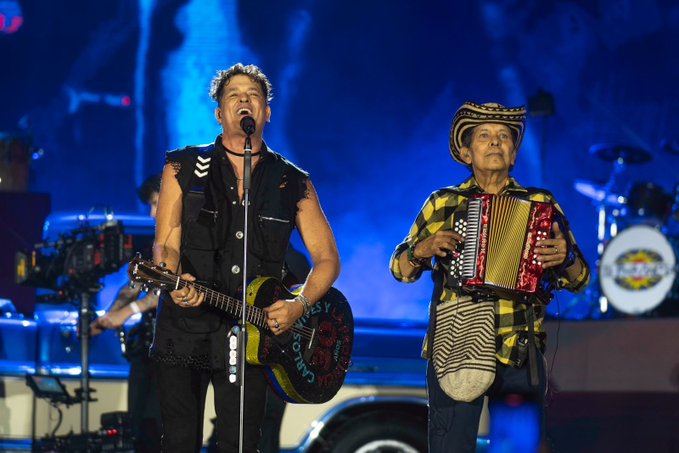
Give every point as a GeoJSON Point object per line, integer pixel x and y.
{"type": "Point", "coordinates": [364, 96]}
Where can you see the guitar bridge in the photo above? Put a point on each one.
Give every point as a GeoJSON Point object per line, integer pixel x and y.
{"type": "Point", "coordinates": [311, 339]}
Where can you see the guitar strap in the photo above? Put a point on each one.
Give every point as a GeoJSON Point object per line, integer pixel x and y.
{"type": "Point", "coordinates": [436, 295]}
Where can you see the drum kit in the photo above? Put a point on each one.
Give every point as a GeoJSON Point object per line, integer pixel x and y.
{"type": "Point", "coordinates": [637, 236]}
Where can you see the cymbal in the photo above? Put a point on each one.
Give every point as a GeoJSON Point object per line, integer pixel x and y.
{"type": "Point", "coordinates": [598, 192]}
{"type": "Point", "coordinates": [626, 154]}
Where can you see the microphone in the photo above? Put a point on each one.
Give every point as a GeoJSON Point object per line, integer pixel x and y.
{"type": "Point", "coordinates": [247, 123]}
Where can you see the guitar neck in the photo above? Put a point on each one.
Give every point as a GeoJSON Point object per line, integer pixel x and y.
{"type": "Point", "coordinates": [229, 305]}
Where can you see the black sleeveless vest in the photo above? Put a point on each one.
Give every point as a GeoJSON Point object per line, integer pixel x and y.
{"type": "Point", "coordinates": [212, 244]}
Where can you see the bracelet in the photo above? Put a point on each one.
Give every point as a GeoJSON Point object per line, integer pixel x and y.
{"type": "Point", "coordinates": [305, 302]}
{"type": "Point", "coordinates": [412, 259]}
{"type": "Point", "coordinates": [135, 307]}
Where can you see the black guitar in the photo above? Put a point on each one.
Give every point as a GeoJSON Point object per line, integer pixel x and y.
{"type": "Point", "coordinates": [307, 363]}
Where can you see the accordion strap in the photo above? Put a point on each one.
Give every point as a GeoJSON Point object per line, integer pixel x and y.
{"type": "Point", "coordinates": [532, 347]}
{"type": "Point", "coordinates": [436, 295]}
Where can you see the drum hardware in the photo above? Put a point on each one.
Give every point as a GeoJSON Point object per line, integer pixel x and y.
{"type": "Point", "coordinates": [637, 258]}
{"type": "Point", "coordinates": [608, 207]}
{"type": "Point", "coordinates": [608, 198]}
{"type": "Point", "coordinates": [598, 192]}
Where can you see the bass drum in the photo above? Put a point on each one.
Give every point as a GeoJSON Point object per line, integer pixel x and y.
{"type": "Point", "coordinates": [637, 269]}
{"type": "Point", "coordinates": [673, 296]}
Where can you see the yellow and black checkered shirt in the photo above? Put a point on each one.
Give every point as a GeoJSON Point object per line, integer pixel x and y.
{"type": "Point", "coordinates": [510, 316]}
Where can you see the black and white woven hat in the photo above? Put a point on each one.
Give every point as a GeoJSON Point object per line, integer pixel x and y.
{"type": "Point", "coordinates": [472, 114]}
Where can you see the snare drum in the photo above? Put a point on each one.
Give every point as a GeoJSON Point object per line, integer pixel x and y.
{"type": "Point", "coordinates": [637, 269]}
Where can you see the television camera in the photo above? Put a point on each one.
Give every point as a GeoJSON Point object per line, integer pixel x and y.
{"type": "Point", "coordinates": [77, 260]}
{"type": "Point", "coordinates": [73, 266]}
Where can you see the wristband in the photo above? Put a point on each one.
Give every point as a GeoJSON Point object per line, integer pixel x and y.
{"type": "Point", "coordinates": [135, 307]}
{"type": "Point", "coordinates": [305, 302]}
{"type": "Point", "coordinates": [414, 261]}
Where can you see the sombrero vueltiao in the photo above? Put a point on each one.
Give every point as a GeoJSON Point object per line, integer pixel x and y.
{"type": "Point", "coordinates": [472, 114]}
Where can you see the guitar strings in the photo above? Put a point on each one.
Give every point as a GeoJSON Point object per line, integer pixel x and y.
{"type": "Point", "coordinates": [258, 317]}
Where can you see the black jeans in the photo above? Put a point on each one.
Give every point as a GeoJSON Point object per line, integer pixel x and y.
{"type": "Point", "coordinates": [453, 425]}
{"type": "Point", "coordinates": [271, 427]}
{"type": "Point", "coordinates": [143, 404]}
{"type": "Point", "coordinates": [182, 405]}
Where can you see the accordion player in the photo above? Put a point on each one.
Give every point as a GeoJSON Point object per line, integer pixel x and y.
{"type": "Point", "coordinates": [497, 256]}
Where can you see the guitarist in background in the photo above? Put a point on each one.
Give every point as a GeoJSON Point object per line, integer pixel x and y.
{"type": "Point", "coordinates": [143, 403]}
{"type": "Point", "coordinates": [199, 234]}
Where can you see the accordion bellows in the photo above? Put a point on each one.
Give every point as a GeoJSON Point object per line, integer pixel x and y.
{"type": "Point", "coordinates": [501, 232]}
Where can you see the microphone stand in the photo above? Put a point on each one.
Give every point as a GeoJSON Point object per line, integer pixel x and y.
{"type": "Point", "coordinates": [247, 172]}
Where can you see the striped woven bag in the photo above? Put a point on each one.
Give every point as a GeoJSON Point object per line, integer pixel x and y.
{"type": "Point", "coordinates": [464, 347]}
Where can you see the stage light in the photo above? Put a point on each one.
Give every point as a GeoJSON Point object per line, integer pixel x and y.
{"type": "Point", "coordinates": [11, 17]}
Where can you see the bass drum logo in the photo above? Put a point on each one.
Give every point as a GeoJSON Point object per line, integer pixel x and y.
{"type": "Point", "coordinates": [637, 269]}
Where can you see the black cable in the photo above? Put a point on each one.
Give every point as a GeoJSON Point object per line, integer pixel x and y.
{"type": "Point", "coordinates": [61, 418]}
{"type": "Point", "coordinates": [552, 391]}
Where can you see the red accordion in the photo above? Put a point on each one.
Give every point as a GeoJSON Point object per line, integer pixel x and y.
{"type": "Point", "coordinates": [501, 232]}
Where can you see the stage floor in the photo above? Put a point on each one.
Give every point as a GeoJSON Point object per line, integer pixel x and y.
{"type": "Point", "coordinates": [614, 385]}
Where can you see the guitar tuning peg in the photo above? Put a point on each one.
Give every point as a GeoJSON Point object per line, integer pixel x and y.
{"type": "Point", "coordinates": [162, 264]}
{"type": "Point", "coordinates": [132, 285]}
{"type": "Point", "coordinates": [156, 291]}
{"type": "Point", "coordinates": [145, 288]}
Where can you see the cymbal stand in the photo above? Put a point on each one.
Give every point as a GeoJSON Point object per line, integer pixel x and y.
{"type": "Point", "coordinates": [607, 225]}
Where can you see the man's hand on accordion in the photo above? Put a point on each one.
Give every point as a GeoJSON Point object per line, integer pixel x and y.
{"type": "Point", "coordinates": [440, 244]}
{"type": "Point", "coordinates": [552, 252]}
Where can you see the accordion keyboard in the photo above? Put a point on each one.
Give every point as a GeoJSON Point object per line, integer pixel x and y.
{"type": "Point", "coordinates": [471, 243]}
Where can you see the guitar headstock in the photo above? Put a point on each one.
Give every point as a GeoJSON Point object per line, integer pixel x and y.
{"type": "Point", "coordinates": [150, 274]}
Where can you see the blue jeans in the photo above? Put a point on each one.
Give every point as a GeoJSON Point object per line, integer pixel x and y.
{"type": "Point", "coordinates": [453, 425]}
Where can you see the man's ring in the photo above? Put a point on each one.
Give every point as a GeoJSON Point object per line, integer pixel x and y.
{"type": "Point", "coordinates": [276, 325]}
{"type": "Point", "coordinates": [556, 250]}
